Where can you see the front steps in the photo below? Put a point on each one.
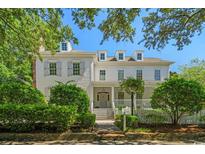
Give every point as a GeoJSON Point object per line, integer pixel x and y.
{"type": "Point", "coordinates": [103, 113]}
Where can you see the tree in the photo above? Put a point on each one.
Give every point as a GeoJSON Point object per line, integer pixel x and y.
{"type": "Point", "coordinates": [177, 96]}
{"type": "Point", "coordinates": [132, 86]}
{"type": "Point", "coordinates": [68, 94]}
{"type": "Point", "coordinates": [194, 71]}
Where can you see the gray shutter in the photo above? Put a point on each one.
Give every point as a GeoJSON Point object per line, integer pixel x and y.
{"type": "Point", "coordinates": [82, 67]}
{"type": "Point", "coordinates": [70, 68]}
{"type": "Point", "coordinates": [58, 67]}
{"type": "Point", "coordinates": [46, 68]}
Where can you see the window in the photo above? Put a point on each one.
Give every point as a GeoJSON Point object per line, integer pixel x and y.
{"type": "Point", "coordinates": [64, 46]}
{"type": "Point", "coordinates": [138, 96]}
{"type": "Point", "coordinates": [139, 56]}
{"type": "Point", "coordinates": [76, 68]}
{"type": "Point", "coordinates": [102, 56]}
{"type": "Point", "coordinates": [52, 68]}
{"type": "Point", "coordinates": [139, 74]}
{"type": "Point", "coordinates": [120, 74]}
{"type": "Point", "coordinates": [120, 95]}
{"type": "Point", "coordinates": [102, 74]}
{"type": "Point", "coordinates": [157, 75]}
{"type": "Point", "coordinates": [121, 56]}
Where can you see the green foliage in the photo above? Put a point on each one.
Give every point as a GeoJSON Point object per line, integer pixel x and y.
{"type": "Point", "coordinates": [132, 86]}
{"type": "Point", "coordinates": [68, 94]}
{"type": "Point", "coordinates": [131, 121]}
{"type": "Point", "coordinates": [178, 96]}
{"type": "Point", "coordinates": [194, 71]}
{"type": "Point", "coordinates": [36, 117]}
{"type": "Point", "coordinates": [86, 120]}
{"type": "Point", "coordinates": [155, 118]}
{"type": "Point", "coordinates": [17, 92]}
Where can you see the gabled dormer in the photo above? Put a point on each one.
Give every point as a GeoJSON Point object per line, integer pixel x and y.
{"type": "Point", "coordinates": [120, 55]}
{"type": "Point", "coordinates": [138, 55]}
{"type": "Point", "coordinates": [65, 46]}
{"type": "Point", "coordinates": [102, 55]}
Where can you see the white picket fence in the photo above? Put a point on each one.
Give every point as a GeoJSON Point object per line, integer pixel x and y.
{"type": "Point", "coordinates": [144, 108]}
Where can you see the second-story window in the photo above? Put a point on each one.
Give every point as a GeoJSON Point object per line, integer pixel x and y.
{"type": "Point", "coordinates": [102, 56]}
{"type": "Point", "coordinates": [157, 75]}
{"type": "Point", "coordinates": [76, 68]}
{"type": "Point", "coordinates": [139, 74]}
{"type": "Point", "coordinates": [120, 74]}
{"type": "Point", "coordinates": [139, 56]}
{"type": "Point", "coordinates": [121, 56]}
{"type": "Point", "coordinates": [52, 68]}
{"type": "Point", "coordinates": [64, 46]}
{"type": "Point", "coordinates": [102, 74]}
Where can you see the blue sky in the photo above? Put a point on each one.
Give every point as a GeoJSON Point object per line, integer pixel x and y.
{"type": "Point", "coordinates": [89, 40]}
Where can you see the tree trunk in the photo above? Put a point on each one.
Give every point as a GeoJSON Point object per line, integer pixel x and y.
{"type": "Point", "coordinates": [132, 103]}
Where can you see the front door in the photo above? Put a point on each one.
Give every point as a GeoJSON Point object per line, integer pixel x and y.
{"type": "Point", "coordinates": [103, 99]}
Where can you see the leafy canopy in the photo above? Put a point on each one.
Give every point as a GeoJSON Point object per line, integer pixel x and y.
{"type": "Point", "coordinates": [178, 96]}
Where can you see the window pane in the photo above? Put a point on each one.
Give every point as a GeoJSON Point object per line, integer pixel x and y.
{"type": "Point", "coordinates": [52, 67]}
{"type": "Point", "coordinates": [120, 74]}
{"type": "Point", "coordinates": [120, 95]}
{"type": "Point", "coordinates": [121, 56]}
{"type": "Point", "coordinates": [139, 74]}
{"type": "Point", "coordinates": [139, 56]}
{"type": "Point", "coordinates": [157, 75]}
{"type": "Point", "coordinates": [64, 46]}
{"type": "Point", "coordinates": [102, 74]}
{"type": "Point", "coordinates": [102, 56]}
{"type": "Point", "coordinates": [76, 68]}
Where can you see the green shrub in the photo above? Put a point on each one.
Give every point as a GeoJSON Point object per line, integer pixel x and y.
{"type": "Point", "coordinates": [68, 94]}
{"type": "Point", "coordinates": [86, 120]}
{"type": "Point", "coordinates": [18, 92]}
{"type": "Point", "coordinates": [131, 121]}
{"type": "Point", "coordinates": [155, 118]}
{"type": "Point", "coordinates": [36, 117]}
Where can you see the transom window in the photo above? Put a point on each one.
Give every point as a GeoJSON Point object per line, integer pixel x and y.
{"type": "Point", "coordinates": [76, 68]}
{"type": "Point", "coordinates": [102, 74]}
{"type": "Point", "coordinates": [102, 56]}
{"type": "Point", "coordinates": [121, 56]}
{"type": "Point", "coordinates": [52, 68]}
{"type": "Point", "coordinates": [139, 56]}
{"type": "Point", "coordinates": [120, 74]}
{"type": "Point", "coordinates": [157, 75]}
{"type": "Point", "coordinates": [64, 46]}
{"type": "Point", "coordinates": [139, 74]}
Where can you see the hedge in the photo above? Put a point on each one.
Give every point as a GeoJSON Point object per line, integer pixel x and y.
{"type": "Point", "coordinates": [131, 121]}
{"type": "Point", "coordinates": [86, 120]}
{"type": "Point", "coordinates": [36, 117]}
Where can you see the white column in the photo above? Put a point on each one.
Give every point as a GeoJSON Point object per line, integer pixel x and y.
{"type": "Point", "coordinates": [113, 99]}
{"type": "Point", "coordinates": [91, 99]}
{"type": "Point", "coordinates": [135, 102]}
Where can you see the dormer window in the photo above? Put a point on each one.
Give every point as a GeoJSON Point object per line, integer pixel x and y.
{"type": "Point", "coordinates": [102, 56]}
{"type": "Point", "coordinates": [120, 56]}
{"type": "Point", "coordinates": [64, 46]}
{"type": "Point", "coordinates": [139, 56]}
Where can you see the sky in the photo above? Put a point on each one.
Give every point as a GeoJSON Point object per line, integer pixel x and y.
{"type": "Point", "coordinates": [89, 40]}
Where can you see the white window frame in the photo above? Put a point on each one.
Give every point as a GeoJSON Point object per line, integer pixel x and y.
{"type": "Point", "coordinates": [102, 75]}
{"type": "Point", "coordinates": [64, 46]}
{"type": "Point", "coordinates": [139, 59]}
{"type": "Point", "coordinates": [157, 75]}
{"type": "Point", "coordinates": [120, 56]}
{"type": "Point", "coordinates": [101, 56]}
{"type": "Point", "coordinates": [120, 75]}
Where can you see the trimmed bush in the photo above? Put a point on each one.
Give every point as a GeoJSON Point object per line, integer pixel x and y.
{"type": "Point", "coordinates": [36, 117]}
{"type": "Point", "coordinates": [131, 121]}
{"type": "Point", "coordinates": [69, 94]}
{"type": "Point", "coordinates": [86, 120]}
{"type": "Point", "coordinates": [14, 91]}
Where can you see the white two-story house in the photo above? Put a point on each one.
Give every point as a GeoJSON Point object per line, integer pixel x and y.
{"type": "Point", "coordinates": [100, 75]}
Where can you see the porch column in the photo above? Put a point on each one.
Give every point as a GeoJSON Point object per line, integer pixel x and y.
{"type": "Point", "coordinates": [91, 99]}
{"type": "Point", "coordinates": [113, 99]}
{"type": "Point", "coordinates": [135, 102]}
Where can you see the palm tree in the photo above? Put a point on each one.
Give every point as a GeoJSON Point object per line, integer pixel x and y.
{"type": "Point", "coordinates": [132, 86]}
